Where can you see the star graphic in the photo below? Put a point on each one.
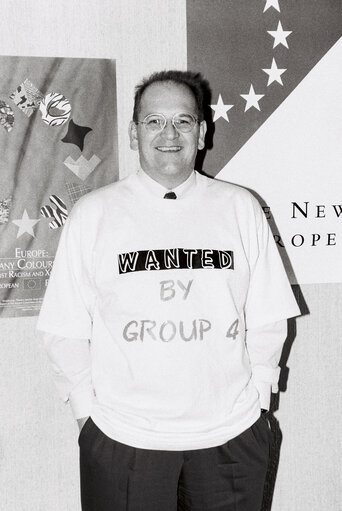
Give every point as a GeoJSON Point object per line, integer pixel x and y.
{"type": "Point", "coordinates": [279, 35]}
{"type": "Point", "coordinates": [272, 3]}
{"type": "Point", "coordinates": [221, 109]}
{"type": "Point", "coordinates": [76, 134]}
{"type": "Point", "coordinates": [25, 224]}
{"type": "Point", "coordinates": [274, 73]}
{"type": "Point", "coordinates": [252, 99]}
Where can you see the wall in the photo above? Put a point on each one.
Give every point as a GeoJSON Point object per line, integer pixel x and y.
{"type": "Point", "coordinates": [309, 474]}
{"type": "Point", "coordinates": [38, 437]}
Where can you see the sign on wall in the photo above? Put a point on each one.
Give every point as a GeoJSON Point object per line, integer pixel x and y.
{"type": "Point", "coordinates": [274, 67]}
{"type": "Point", "coordinates": [58, 141]}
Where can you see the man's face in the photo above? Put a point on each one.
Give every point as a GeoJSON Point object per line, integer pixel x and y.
{"type": "Point", "coordinates": [167, 156]}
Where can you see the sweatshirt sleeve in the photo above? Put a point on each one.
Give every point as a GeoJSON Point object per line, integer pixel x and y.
{"type": "Point", "coordinates": [68, 305]}
{"type": "Point", "coordinates": [264, 345]}
{"type": "Point", "coordinates": [70, 362]}
{"type": "Point", "coordinates": [66, 316]}
{"type": "Point", "coordinates": [270, 297]}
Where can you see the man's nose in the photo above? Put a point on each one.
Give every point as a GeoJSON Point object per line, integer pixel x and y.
{"type": "Point", "coordinates": [170, 131]}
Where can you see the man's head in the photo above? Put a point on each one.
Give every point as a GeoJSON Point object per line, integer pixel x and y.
{"type": "Point", "coordinates": [168, 143]}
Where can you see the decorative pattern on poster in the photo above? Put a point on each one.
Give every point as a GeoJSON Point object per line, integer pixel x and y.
{"type": "Point", "coordinates": [58, 141]}
{"type": "Point", "coordinates": [274, 122]}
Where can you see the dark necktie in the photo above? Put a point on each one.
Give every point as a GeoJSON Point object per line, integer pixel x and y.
{"type": "Point", "coordinates": [170, 195]}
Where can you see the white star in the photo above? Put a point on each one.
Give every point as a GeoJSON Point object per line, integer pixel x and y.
{"type": "Point", "coordinates": [274, 73]}
{"type": "Point", "coordinates": [272, 3]}
{"type": "Point", "coordinates": [25, 224]}
{"type": "Point", "coordinates": [279, 35]}
{"type": "Point", "coordinates": [221, 109]}
{"type": "Point", "coordinates": [252, 99]}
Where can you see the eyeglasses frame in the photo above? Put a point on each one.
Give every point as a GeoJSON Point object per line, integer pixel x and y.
{"type": "Point", "coordinates": [197, 121]}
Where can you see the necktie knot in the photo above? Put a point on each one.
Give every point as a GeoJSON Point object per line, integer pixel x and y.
{"type": "Point", "coordinates": [170, 195]}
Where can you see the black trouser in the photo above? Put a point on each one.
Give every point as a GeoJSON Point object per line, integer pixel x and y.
{"type": "Point", "coordinates": [230, 477]}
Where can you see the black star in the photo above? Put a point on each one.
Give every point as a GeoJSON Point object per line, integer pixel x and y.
{"type": "Point", "coordinates": [76, 134]}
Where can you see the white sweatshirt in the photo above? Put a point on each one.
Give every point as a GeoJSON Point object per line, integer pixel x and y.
{"type": "Point", "coordinates": [184, 303]}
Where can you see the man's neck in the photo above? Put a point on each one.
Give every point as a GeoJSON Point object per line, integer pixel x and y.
{"type": "Point", "coordinates": [169, 182]}
{"type": "Point", "coordinates": [159, 189]}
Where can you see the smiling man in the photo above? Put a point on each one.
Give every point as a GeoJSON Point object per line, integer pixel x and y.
{"type": "Point", "coordinates": [169, 134]}
{"type": "Point", "coordinates": [164, 318]}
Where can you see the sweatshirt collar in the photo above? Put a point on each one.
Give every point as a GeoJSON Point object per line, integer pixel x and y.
{"type": "Point", "coordinates": [159, 190]}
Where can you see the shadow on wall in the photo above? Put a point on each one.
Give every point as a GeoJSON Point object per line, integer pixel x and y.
{"type": "Point", "coordinates": [275, 402]}
{"type": "Point", "coordinates": [209, 137]}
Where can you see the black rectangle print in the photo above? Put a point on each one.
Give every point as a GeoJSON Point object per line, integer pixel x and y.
{"type": "Point", "coordinates": [175, 258]}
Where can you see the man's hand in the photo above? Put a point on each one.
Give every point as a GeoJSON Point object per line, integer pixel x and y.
{"type": "Point", "coordinates": [81, 422]}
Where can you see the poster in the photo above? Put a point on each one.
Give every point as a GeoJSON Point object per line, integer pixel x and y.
{"type": "Point", "coordinates": [275, 124]}
{"type": "Point", "coordinates": [58, 141]}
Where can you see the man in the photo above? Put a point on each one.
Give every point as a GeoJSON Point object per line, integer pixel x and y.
{"type": "Point", "coordinates": [175, 280]}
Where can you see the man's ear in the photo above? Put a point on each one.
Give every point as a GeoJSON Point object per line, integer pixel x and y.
{"type": "Point", "coordinates": [201, 136]}
{"type": "Point", "coordinates": [133, 136]}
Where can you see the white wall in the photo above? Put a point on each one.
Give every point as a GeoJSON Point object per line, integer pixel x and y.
{"type": "Point", "coordinates": [38, 438]}
{"type": "Point", "coordinates": [310, 469]}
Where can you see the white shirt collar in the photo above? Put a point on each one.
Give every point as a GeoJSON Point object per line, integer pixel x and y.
{"type": "Point", "coordinates": [159, 190]}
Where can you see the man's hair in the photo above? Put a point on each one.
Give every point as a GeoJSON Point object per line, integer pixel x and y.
{"type": "Point", "coordinates": [194, 81]}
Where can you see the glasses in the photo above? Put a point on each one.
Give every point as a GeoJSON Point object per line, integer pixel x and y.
{"type": "Point", "coordinates": [181, 122]}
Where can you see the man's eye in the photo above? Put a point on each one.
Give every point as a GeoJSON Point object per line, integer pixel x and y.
{"type": "Point", "coordinates": [154, 123]}
{"type": "Point", "coordinates": [183, 122]}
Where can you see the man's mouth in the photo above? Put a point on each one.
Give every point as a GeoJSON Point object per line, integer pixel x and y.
{"type": "Point", "coordinates": [169, 149]}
